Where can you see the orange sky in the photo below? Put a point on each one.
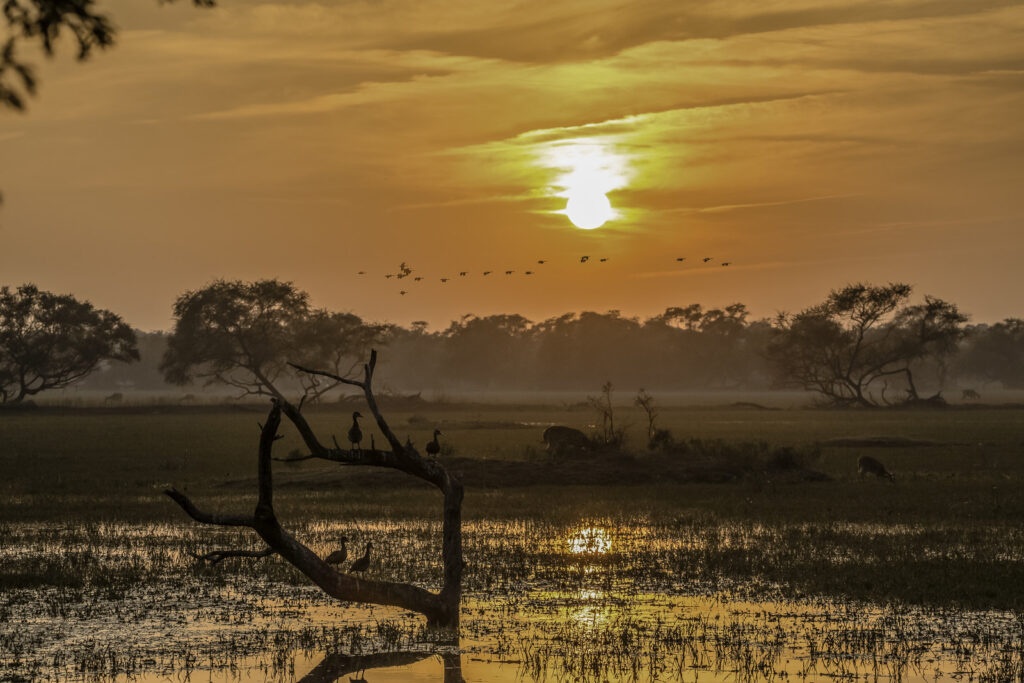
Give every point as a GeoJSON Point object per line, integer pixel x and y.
{"type": "Point", "coordinates": [810, 142]}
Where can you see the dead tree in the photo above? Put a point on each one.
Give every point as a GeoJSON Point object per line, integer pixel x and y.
{"type": "Point", "coordinates": [441, 609]}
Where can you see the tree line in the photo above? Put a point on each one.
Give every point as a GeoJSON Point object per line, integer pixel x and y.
{"type": "Point", "coordinates": [865, 345]}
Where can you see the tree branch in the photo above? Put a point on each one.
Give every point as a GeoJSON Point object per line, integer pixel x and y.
{"type": "Point", "coordinates": [206, 517]}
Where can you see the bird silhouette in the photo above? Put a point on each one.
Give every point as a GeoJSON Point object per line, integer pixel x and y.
{"type": "Point", "coordinates": [338, 556]}
{"type": "Point", "coordinates": [541, 262]}
{"type": "Point", "coordinates": [584, 259]}
{"type": "Point", "coordinates": [361, 272]}
{"type": "Point", "coordinates": [604, 259]}
{"type": "Point", "coordinates": [462, 273]}
{"type": "Point", "coordinates": [434, 446]}
{"type": "Point", "coordinates": [402, 292]}
{"type": "Point", "coordinates": [389, 276]}
{"type": "Point", "coordinates": [444, 279]}
{"type": "Point", "coordinates": [529, 272]}
{"type": "Point", "coordinates": [417, 278]}
{"type": "Point", "coordinates": [726, 263]}
{"type": "Point", "coordinates": [680, 258]}
{"type": "Point", "coordinates": [707, 258]}
{"type": "Point", "coordinates": [355, 434]}
{"type": "Point", "coordinates": [509, 272]}
{"type": "Point", "coordinates": [487, 272]}
{"type": "Point", "coordinates": [363, 563]}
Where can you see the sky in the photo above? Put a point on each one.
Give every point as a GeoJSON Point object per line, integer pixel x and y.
{"type": "Point", "coordinates": [809, 143]}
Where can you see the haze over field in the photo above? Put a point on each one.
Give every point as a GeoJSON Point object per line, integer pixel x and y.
{"type": "Point", "coordinates": [809, 143]}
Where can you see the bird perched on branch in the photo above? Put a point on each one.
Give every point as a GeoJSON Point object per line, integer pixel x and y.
{"type": "Point", "coordinates": [355, 434]}
{"type": "Point", "coordinates": [434, 446]}
{"type": "Point", "coordinates": [363, 563]}
{"type": "Point", "coordinates": [338, 556]}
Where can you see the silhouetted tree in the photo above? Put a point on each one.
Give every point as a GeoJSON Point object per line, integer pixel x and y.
{"type": "Point", "coordinates": [862, 336]}
{"type": "Point", "coordinates": [48, 341]}
{"type": "Point", "coordinates": [995, 353]}
{"type": "Point", "coordinates": [244, 334]}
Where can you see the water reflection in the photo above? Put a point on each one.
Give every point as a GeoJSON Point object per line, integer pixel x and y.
{"type": "Point", "coordinates": [590, 541]}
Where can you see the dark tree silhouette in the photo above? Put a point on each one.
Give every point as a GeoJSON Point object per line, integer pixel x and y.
{"type": "Point", "coordinates": [995, 353]}
{"type": "Point", "coordinates": [243, 335]}
{"type": "Point", "coordinates": [48, 341]}
{"type": "Point", "coordinates": [441, 609]}
{"type": "Point", "coordinates": [863, 336]}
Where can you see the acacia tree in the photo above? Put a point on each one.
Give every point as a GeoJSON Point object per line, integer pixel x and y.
{"type": "Point", "coordinates": [242, 335]}
{"type": "Point", "coordinates": [861, 337]}
{"type": "Point", "coordinates": [48, 341]}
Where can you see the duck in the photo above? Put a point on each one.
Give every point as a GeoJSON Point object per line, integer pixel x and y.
{"type": "Point", "coordinates": [355, 434]}
{"type": "Point", "coordinates": [434, 446]}
{"type": "Point", "coordinates": [363, 563]}
{"type": "Point", "coordinates": [338, 556]}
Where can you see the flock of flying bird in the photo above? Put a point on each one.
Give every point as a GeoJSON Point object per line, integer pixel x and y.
{"type": "Point", "coordinates": [405, 271]}
{"type": "Point", "coordinates": [355, 438]}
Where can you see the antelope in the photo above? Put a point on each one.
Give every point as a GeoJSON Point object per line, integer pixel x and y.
{"type": "Point", "coordinates": [868, 465]}
{"type": "Point", "coordinates": [560, 439]}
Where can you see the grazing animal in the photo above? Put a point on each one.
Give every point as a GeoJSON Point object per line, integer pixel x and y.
{"type": "Point", "coordinates": [355, 434]}
{"type": "Point", "coordinates": [584, 259]}
{"type": "Point", "coordinates": [868, 465]}
{"type": "Point", "coordinates": [363, 563]}
{"type": "Point", "coordinates": [561, 439]}
{"type": "Point", "coordinates": [970, 394]}
{"type": "Point", "coordinates": [338, 556]}
{"type": "Point", "coordinates": [116, 397]}
{"type": "Point", "coordinates": [434, 446]}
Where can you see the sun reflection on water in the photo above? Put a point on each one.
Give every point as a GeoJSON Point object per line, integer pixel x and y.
{"type": "Point", "coordinates": [590, 541]}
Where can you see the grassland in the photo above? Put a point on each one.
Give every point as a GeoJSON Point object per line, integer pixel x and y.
{"type": "Point", "coordinates": [84, 529]}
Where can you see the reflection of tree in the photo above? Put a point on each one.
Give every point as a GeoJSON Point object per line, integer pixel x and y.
{"type": "Point", "coordinates": [334, 666]}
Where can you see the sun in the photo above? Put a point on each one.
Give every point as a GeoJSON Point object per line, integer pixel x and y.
{"type": "Point", "coordinates": [589, 209]}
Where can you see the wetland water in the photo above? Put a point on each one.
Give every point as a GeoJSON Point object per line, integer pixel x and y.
{"type": "Point", "coordinates": [608, 600]}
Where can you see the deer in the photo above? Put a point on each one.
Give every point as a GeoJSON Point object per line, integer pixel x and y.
{"type": "Point", "coordinates": [868, 465]}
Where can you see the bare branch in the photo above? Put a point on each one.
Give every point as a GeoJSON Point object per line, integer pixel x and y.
{"type": "Point", "coordinates": [205, 517]}
{"type": "Point", "coordinates": [215, 556]}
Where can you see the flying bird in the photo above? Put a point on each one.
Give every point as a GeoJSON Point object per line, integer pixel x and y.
{"type": "Point", "coordinates": [529, 272]}
{"type": "Point", "coordinates": [355, 434]}
{"type": "Point", "coordinates": [680, 259]}
{"type": "Point", "coordinates": [363, 563]}
{"type": "Point", "coordinates": [509, 272]}
{"type": "Point", "coordinates": [726, 263]}
{"type": "Point", "coordinates": [604, 259]}
{"type": "Point", "coordinates": [708, 258]}
{"type": "Point", "coordinates": [444, 279]}
{"type": "Point", "coordinates": [541, 262]}
{"type": "Point", "coordinates": [417, 278]}
{"type": "Point", "coordinates": [487, 272]}
{"type": "Point", "coordinates": [389, 276]}
{"type": "Point", "coordinates": [338, 556]}
{"type": "Point", "coordinates": [434, 446]}
{"type": "Point", "coordinates": [462, 273]}
{"type": "Point", "coordinates": [361, 272]}
{"type": "Point", "coordinates": [403, 292]}
{"type": "Point", "coordinates": [584, 259]}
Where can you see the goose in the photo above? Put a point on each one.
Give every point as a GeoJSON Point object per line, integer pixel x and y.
{"type": "Point", "coordinates": [417, 278]}
{"type": "Point", "coordinates": [604, 259]}
{"type": "Point", "coordinates": [509, 272]}
{"type": "Point", "coordinates": [708, 258]}
{"type": "Point", "coordinates": [389, 276]}
{"type": "Point", "coordinates": [338, 556]}
{"type": "Point", "coordinates": [529, 272]}
{"type": "Point", "coordinates": [541, 262]}
{"type": "Point", "coordinates": [402, 292]}
{"type": "Point", "coordinates": [726, 263]}
{"type": "Point", "coordinates": [487, 272]}
{"type": "Point", "coordinates": [363, 563]}
{"type": "Point", "coordinates": [434, 447]}
{"type": "Point", "coordinates": [680, 259]}
{"type": "Point", "coordinates": [584, 259]}
{"type": "Point", "coordinates": [355, 434]}
{"type": "Point", "coordinates": [361, 272]}
{"type": "Point", "coordinates": [444, 279]}
{"type": "Point", "coordinates": [462, 273]}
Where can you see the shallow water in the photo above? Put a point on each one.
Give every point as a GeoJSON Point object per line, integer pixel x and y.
{"type": "Point", "coordinates": [597, 601]}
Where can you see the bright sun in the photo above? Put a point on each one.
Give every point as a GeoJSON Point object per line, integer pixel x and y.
{"type": "Point", "coordinates": [588, 209]}
{"type": "Point", "coordinates": [590, 167]}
